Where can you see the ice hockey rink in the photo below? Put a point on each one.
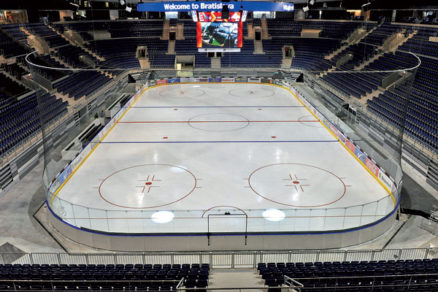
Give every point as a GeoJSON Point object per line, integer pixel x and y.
{"type": "Point", "coordinates": [220, 158]}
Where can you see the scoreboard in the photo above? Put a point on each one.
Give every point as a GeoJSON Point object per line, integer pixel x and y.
{"type": "Point", "coordinates": [214, 33]}
{"type": "Point", "coordinates": [187, 6]}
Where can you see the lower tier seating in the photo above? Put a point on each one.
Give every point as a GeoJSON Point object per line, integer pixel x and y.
{"type": "Point", "coordinates": [355, 276]}
{"type": "Point", "coordinates": [128, 277]}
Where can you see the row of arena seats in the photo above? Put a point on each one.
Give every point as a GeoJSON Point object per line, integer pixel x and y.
{"type": "Point", "coordinates": [10, 47]}
{"type": "Point", "coordinates": [360, 53]}
{"type": "Point", "coordinates": [47, 61]}
{"type": "Point", "coordinates": [14, 31]}
{"type": "Point", "coordinates": [365, 83]}
{"type": "Point", "coordinates": [129, 277]}
{"type": "Point", "coordinates": [51, 37]}
{"type": "Point", "coordinates": [15, 70]}
{"type": "Point", "coordinates": [10, 88]}
{"type": "Point", "coordinates": [92, 286]}
{"type": "Point", "coordinates": [81, 83]}
{"type": "Point", "coordinates": [278, 28]}
{"type": "Point", "coordinates": [420, 43]}
{"type": "Point", "coordinates": [74, 56]}
{"type": "Point", "coordinates": [416, 103]}
{"type": "Point", "coordinates": [22, 118]}
{"type": "Point", "coordinates": [357, 276]}
{"type": "Point", "coordinates": [381, 33]}
{"type": "Point", "coordinates": [118, 29]}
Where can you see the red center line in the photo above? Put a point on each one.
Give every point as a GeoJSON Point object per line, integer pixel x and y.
{"type": "Point", "coordinates": [197, 122]}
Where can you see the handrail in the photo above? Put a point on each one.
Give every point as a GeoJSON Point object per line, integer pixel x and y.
{"type": "Point", "coordinates": [220, 259]}
{"type": "Point", "coordinates": [292, 283]}
{"type": "Point", "coordinates": [371, 276]}
{"type": "Point", "coordinates": [181, 287]}
{"type": "Point", "coordinates": [180, 284]}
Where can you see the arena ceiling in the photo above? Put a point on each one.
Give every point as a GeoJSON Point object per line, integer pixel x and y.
{"type": "Point", "coordinates": [348, 4]}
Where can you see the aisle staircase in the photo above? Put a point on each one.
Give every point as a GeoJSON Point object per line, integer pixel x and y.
{"type": "Point", "coordinates": [61, 61]}
{"type": "Point", "coordinates": [354, 38]}
{"type": "Point", "coordinates": [265, 31]}
{"type": "Point", "coordinates": [5, 73]}
{"type": "Point", "coordinates": [258, 48]}
{"type": "Point", "coordinates": [166, 27]}
{"type": "Point", "coordinates": [238, 280]}
{"type": "Point", "coordinates": [336, 52]}
{"type": "Point", "coordinates": [235, 278]}
{"type": "Point", "coordinates": [369, 96]}
{"type": "Point", "coordinates": [76, 44]}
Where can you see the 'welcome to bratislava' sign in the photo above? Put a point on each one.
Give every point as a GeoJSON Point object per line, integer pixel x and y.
{"type": "Point", "coordinates": [214, 6]}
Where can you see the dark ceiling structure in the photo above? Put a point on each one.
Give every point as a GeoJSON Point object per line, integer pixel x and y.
{"type": "Point", "coordinates": [348, 4]}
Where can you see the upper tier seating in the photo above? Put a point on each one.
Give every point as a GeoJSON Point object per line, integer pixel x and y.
{"type": "Point", "coordinates": [284, 28]}
{"type": "Point", "coordinates": [21, 118]}
{"type": "Point", "coordinates": [120, 29]}
{"type": "Point", "coordinates": [336, 30]}
{"type": "Point", "coordinates": [72, 55]}
{"type": "Point", "coordinates": [120, 54]}
{"type": "Point", "coordinates": [360, 53]}
{"type": "Point", "coordinates": [190, 29]}
{"type": "Point", "coordinates": [420, 43]}
{"type": "Point", "coordinates": [14, 31]}
{"type": "Point", "coordinates": [246, 58]}
{"type": "Point", "coordinates": [359, 84]}
{"type": "Point", "coordinates": [136, 29]}
{"type": "Point", "coordinates": [310, 52]}
{"type": "Point", "coordinates": [111, 49]}
{"type": "Point", "coordinates": [379, 35]}
{"type": "Point", "coordinates": [43, 31]}
{"type": "Point", "coordinates": [10, 47]}
{"type": "Point", "coordinates": [188, 47]}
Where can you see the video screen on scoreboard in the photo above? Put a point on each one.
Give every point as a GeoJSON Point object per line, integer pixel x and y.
{"type": "Point", "coordinates": [226, 36]}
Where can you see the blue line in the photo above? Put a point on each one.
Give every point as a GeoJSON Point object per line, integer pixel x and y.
{"type": "Point", "coordinates": [223, 106]}
{"type": "Point", "coordinates": [200, 142]}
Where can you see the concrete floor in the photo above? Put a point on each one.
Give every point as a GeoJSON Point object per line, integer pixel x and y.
{"type": "Point", "coordinates": [17, 224]}
{"type": "Point", "coordinates": [241, 278]}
